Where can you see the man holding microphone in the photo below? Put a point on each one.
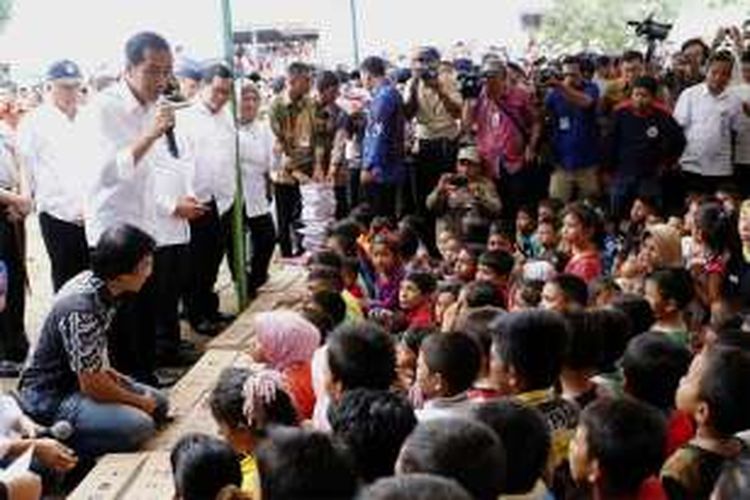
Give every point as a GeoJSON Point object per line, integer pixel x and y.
{"type": "Point", "coordinates": [127, 129]}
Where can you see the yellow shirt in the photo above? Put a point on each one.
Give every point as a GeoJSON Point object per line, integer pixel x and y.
{"type": "Point", "coordinates": [353, 307]}
{"type": "Point", "coordinates": [249, 475]}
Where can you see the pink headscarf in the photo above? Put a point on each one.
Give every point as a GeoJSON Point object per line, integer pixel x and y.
{"type": "Point", "coordinates": [286, 338]}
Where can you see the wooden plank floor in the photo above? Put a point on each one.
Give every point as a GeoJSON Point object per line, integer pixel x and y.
{"type": "Point", "coordinates": [147, 475]}
{"type": "Point", "coordinates": [285, 288]}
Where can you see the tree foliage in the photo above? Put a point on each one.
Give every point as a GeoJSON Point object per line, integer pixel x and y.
{"type": "Point", "coordinates": [6, 10]}
{"type": "Point", "coordinates": [600, 25]}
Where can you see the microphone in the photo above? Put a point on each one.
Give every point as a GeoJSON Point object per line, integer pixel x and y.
{"type": "Point", "coordinates": [172, 142]}
{"type": "Point", "coordinates": [61, 430]}
{"type": "Point", "coordinates": [169, 98]}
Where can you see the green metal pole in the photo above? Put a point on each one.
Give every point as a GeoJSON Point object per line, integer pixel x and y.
{"type": "Point", "coordinates": [238, 226]}
{"type": "Point", "coordinates": [355, 34]}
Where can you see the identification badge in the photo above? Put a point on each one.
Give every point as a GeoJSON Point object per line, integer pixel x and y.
{"type": "Point", "coordinates": [652, 132]}
{"type": "Point", "coordinates": [564, 123]}
{"type": "Point", "coordinates": [495, 120]}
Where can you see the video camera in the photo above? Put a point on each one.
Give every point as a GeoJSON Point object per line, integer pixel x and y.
{"type": "Point", "coordinates": [470, 82]}
{"type": "Point", "coordinates": [652, 31]}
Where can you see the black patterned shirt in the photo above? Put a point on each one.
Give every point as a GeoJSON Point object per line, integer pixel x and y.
{"type": "Point", "coordinates": [73, 340]}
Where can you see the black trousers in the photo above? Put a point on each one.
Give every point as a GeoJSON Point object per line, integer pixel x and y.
{"type": "Point", "coordinates": [205, 252]}
{"type": "Point", "coordinates": [13, 342]}
{"type": "Point", "coordinates": [132, 337]}
{"type": "Point", "coordinates": [66, 247]}
{"type": "Point", "coordinates": [354, 192]}
{"type": "Point", "coordinates": [523, 188]}
{"type": "Point", "coordinates": [341, 193]}
{"type": "Point", "coordinates": [262, 236]}
{"type": "Point", "coordinates": [382, 198]}
{"type": "Point", "coordinates": [288, 214]}
{"type": "Point", "coordinates": [434, 158]}
{"type": "Point", "coordinates": [170, 265]}
{"type": "Point", "coordinates": [704, 184]}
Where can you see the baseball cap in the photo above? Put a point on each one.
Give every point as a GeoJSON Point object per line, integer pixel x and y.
{"type": "Point", "coordinates": [64, 71]}
{"type": "Point", "coordinates": [492, 67]}
{"type": "Point", "coordinates": [469, 153]}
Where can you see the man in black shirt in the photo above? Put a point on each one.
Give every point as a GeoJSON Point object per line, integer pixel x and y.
{"type": "Point", "coordinates": [69, 376]}
{"type": "Point", "coordinates": [645, 140]}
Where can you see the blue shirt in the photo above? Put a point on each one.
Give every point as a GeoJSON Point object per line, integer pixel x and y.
{"type": "Point", "coordinates": [575, 132]}
{"type": "Point", "coordinates": [383, 144]}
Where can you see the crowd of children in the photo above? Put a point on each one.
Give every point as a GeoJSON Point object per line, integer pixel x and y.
{"type": "Point", "coordinates": [565, 357]}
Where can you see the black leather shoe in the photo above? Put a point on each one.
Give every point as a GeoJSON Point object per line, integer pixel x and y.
{"type": "Point", "coordinates": [179, 357]}
{"type": "Point", "coordinates": [207, 328]}
{"type": "Point", "coordinates": [222, 317]}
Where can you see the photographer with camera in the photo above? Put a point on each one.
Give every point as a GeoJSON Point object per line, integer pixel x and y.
{"type": "Point", "coordinates": [432, 98]}
{"type": "Point", "coordinates": [571, 106]}
{"type": "Point", "coordinates": [632, 66]}
{"type": "Point", "coordinates": [507, 128]}
{"type": "Point", "coordinates": [459, 193]}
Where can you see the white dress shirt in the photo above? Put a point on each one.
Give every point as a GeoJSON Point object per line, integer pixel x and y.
{"type": "Point", "coordinates": [213, 143]}
{"type": "Point", "coordinates": [122, 190]}
{"type": "Point", "coordinates": [49, 146]}
{"type": "Point", "coordinates": [8, 170]}
{"type": "Point", "coordinates": [173, 180]}
{"type": "Point", "coordinates": [742, 145]}
{"type": "Point", "coordinates": [256, 161]}
{"type": "Point", "coordinates": [708, 121]}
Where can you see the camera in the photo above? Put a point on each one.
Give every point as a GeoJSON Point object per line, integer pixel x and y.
{"type": "Point", "coordinates": [459, 181]}
{"type": "Point", "coordinates": [651, 30]}
{"type": "Point", "coordinates": [429, 74]}
{"type": "Point", "coordinates": [469, 83]}
{"type": "Point", "coordinates": [547, 74]}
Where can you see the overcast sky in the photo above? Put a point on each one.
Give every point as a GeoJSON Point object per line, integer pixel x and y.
{"type": "Point", "coordinates": [93, 31]}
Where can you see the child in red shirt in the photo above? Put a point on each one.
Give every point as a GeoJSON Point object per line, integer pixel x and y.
{"type": "Point", "coordinates": [415, 298]}
{"type": "Point", "coordinates": [580, 231]}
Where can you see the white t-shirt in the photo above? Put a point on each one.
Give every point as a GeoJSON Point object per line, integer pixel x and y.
{"type": "Point", "coordinates": [122, 191]}
{"type": "Point", "coordinates": [742, 146]}
{"type": "Point", "coordinates": [708, 121]}
{"type": "Point", "coordinates": [48, 144]}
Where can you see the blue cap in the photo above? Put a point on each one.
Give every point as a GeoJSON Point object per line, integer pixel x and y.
{"type": "Point", "coordinates": [64, 70]}
{"type": "Point", "coordinates": [189, 69]}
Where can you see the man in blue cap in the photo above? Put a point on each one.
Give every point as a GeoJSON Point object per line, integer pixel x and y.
{"type": "Point", "coordinates": [189, 77]}
{"type": "Point", "coordinates": [48, 143]}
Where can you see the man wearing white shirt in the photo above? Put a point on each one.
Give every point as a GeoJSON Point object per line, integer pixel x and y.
{"type": "Point", "coordinates": [209, 127]}
{"type": "Point", "coordinates": [742, 142]}
{"type": "Point", "coordinates": [176, 206]}
{"type": "Point", "coordinates": [709, 114]}
{"type": "Point", "coordinates": [122, 126]}
{"type": "Point", "coordinates": [15, 205]}
{"type": "Point", "coordinates": [48, 144]}
{"type": "Point", "coordinates": [256, 141]}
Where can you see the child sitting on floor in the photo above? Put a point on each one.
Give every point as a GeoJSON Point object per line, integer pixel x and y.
{"type": "Point", "coordinates": [388, 272]}
{"type": "Point", "coordinates": [244, 404]}
{"type": "Point", "coordinates": [416, 299]}
{"type": "Point", "coordinates": [205, 468]}
{"type": "Point", "coordinates": [495, 267]}
{"type": "Point", "coordinates": [617, 450]}
{"type": "Point", "coordinates": [285, 341]}
{"type": "Point", "coordinates": [447, 366]}
{"type": "Point", "coordinates": [669, 291]}
{"type": "Point", "coordinates": [714, 393]}
{"type": "Point", "coordinates": [519, 367]}
{"type": "Point", "coordinates": [652, 367]}
{"type": "Point", "coordinates": [565, 293]}
{"type": "Point", "coordinates": [526, 439]}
